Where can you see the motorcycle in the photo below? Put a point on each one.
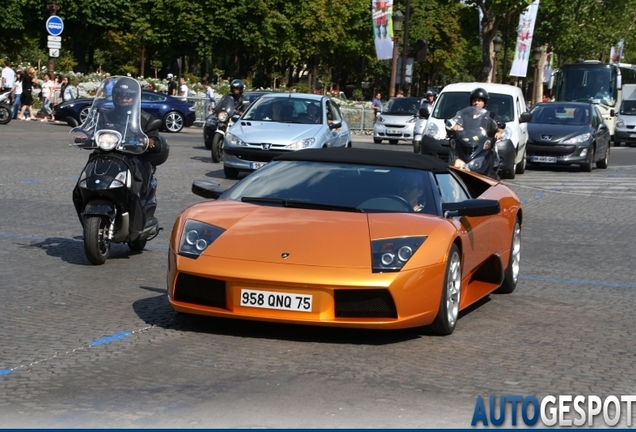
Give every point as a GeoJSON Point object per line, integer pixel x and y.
{"type": "Point", "coordinates": [472, 142]}
{"type": "Point", "coordinates": [5, 108]}
{"type": "Point", "coordinates": [223, 113]}
{"type": "Point", "coordinates": [113, 201]}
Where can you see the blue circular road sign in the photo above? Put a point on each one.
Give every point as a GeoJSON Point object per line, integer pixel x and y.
{"type": "Point", "coordinates": [54, 25]}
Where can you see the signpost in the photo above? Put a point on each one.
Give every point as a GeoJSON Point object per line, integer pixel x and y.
{"type": "Point", "coordinates": [54, 27]}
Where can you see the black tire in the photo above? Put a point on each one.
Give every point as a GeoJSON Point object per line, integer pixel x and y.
{"type": "Point", "coordinates": [72, 122]}
{"type": "Point", "coordinates": [617, 142]}
{"type": "Point", "coordinates": [448, 313]}
{"type": "Point", "coordinates": [604, 163]}
{"type": "Point", "coordinates": [5, 115]}
{"type": "Point", "coordinates": [83, 114]}
{"type": "Point", "coordinates": [417, 147]}
{"type": "Point", "coordinates": [173, 122]}
{"type": "Point", "coordinates": [137, 245]}
{"type": "Point", "coordinates": [349, 144]}
{"type": "Point", "coordinates": [393, 142]}
{"type": "Point", "coordinates": [231, 173]}
{"type": "Point", "coordinates": [208, 144]}
{"type": "Point", "coordinates": [217, 148]}
{"type": "Point", "coordinates": [521, 167]}
{"type": "Point", "coordinates": [377, 140]}
{"type": "Point", "coordinates": [587, 166]}
{"type": "Point", "coordinates": [511, 275]}
{"type": "Point", "coordinates": [96, 246]}
{"type": "Point", "coordinates": [510, 174]}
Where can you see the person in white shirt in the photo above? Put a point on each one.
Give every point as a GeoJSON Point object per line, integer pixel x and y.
{"type": "Point", "coordinates": [17, 94]}
{"type": "Point", "coordinates": [48, 93]}
{"type": "Point", "coordinates": [209, 93]}
{"type": "Point", "coordinates": [8, 77]}
{"type": "Point", "coordinates": [183, 88]}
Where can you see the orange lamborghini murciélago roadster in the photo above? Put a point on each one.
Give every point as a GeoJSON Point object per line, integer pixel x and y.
{"type": "Point", "coordinates": [349, 238]}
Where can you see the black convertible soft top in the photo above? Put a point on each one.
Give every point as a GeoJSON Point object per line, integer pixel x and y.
{"type": "Point", "coordinates": [388, 158]}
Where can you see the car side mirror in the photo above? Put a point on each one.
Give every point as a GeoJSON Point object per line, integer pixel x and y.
{"type": "Point", "coordinates": [612, 113]}
{"type": "Point", "coordinates": [207, 189]}
{"type": "Point", "coordinates": [471, 208]}
{"type": "Point", "coordinates": [336, 124]}
{"type": "Point", "coordinates": [235, 118]}
{"type": "Point", "coordinates": [424, 111]}
{"type": "Point", "coordinates": [525, 117]}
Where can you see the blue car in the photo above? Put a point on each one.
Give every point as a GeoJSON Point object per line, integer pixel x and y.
{"type": "Point", "coordinates": [173, 112]}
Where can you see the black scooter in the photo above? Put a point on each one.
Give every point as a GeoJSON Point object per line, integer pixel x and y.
{"type": "Point", "coordinates": [223, 114]}
{"type": "Point", "coordinates": [112, 200]}
{"type": "Point", "coordinates": [472, 143]}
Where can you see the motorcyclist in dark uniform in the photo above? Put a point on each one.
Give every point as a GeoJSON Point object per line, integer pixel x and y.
{"type": "Point", "coordinates": [122, 117]}
{"type": "Point", "coordinates": [237, 87]}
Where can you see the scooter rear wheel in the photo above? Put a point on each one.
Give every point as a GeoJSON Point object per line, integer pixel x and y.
{"type": "Point", "coordinates": [137, 245]}
{"type": "Point", "coordinates": [5, 115]}
{"type": "Point", "coordinates": [96, 245]}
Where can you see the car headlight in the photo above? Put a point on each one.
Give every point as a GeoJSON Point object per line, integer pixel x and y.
{"type": "Point", "coordinates": [196, 237]}
{"type": "Point", "coordinates": [433, 131]}
{"type": "Point", "coordinates": [223, 116]}
{"type": "Point", "coordinates": [579, 139]}
{"type": "Point", "coordinates": [620, 123]}
{"type": "Point", "coordinates": [192, 108]}
{"type": "Point", "coordinates": [390, 255]}
{"type": "Point", "coordinates": [234, 140]}
{"type": "Point", "coordinates": [302, 144]}
{"type": "Point", "coordinates": [476, 163]}
{"type": "Point", "coordinates": [107, 140]}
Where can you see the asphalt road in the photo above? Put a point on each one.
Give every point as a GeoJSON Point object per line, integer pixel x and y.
{"type": "Point", "coordinates": [86, 346]}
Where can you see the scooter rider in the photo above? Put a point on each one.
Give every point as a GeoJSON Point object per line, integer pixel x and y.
{"type": "Point", "coordinates": [237, 87]}
{"type": "Point", "coordinates": [122, 117]}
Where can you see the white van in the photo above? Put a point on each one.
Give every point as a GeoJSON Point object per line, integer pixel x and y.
{"type": "Point", "coordinates": [506, 102]}
{"type": "Point", "coordinates": [626, 118]}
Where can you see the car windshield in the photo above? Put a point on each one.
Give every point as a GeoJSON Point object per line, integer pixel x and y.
{"type": "Point", "coordinates": [628, 108]}
{"type": "Point", "coordinates": [337, 186]}
{"type": "Point", "coordinates": [402, 106]}
{"type": "Point", "coordinates": [286, 110]}
{"type": "Point", "coordinates": [559, 114]}
{"type": "Point", "coordinates": [449, 103]}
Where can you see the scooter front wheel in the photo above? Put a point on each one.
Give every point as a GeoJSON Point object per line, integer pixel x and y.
{"type": "Point", "coordinates": [96, 243]}
{"type": "Point", "coordinates": [5, 115]}
{"type": "Point", "coordinates": [217, 148]}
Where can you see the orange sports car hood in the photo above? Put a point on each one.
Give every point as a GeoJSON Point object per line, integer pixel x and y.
{"type": "Point", "coordinates": [305, 237]}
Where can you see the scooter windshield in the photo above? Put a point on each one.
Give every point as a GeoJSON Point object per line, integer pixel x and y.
{"type": "Point", "coordinates": [114, 121]}
{"type": "Point", "coordinates": [226, 105]}
{"type": "Point", "coordinates": [474, 124]}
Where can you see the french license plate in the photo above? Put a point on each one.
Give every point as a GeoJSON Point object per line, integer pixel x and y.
{"type": "Point", "coordinates": [276, 300]}
{"type": "Point", "coordinates": [257, 165]}
{"type": "Point", "coordinates": [393, 132]}
{"type": "Point", "coordinates": [543, 159]}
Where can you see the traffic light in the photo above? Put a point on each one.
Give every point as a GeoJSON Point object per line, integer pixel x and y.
{"type": "Point", "coordinates": [421, 50]}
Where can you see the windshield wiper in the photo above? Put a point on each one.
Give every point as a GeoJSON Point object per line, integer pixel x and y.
{"type": "Point", "coordinates": [301, 204]}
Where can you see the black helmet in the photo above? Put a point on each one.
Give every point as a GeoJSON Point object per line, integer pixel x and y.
{"type": "Point", "coordinates": [479, 93]}
{"type": "Point", "coordinates": [237, 84]}
{"type": "Point", "coordinates": [431, 93]}
{"type": "Point", "coordinates": [125, 92]}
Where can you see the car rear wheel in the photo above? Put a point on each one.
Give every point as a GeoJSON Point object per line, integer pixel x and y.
{"type": "Point", "coordinates": [417, 147]}
{"type": "Point", "coordinates": [230, 173]}
{"type": "Point", "coordinates": [173, 122]}
{"type": "Point", "coordinates": [511, 275]}
{"type": "Point", "coordinates": [587, 166]}
{"type": "Point", "coordinates": [603, 163]}
{"type": "Point", "coordinates": [448, 313]}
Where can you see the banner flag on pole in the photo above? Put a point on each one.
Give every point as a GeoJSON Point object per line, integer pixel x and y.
{"type": "Point", "coordinates": [524, 40]}
{"type": "Point", "coordinates": [616, 52]}
{"type": "Point", "coordinates": [383, 28]}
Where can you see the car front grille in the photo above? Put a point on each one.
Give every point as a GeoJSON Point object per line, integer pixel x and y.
{"type": "Point", "coordinates": [550, 150]}
{"type": "Point", "coordinates": [365, 303]}
{"type": "Point", "coordinates": [199, 290]}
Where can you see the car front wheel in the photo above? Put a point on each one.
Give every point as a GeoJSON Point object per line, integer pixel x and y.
{"type": "Point", "coordinates": [604, 163]}
{"type": "Point", "coordinates": [511, 275]}
{"type": "Point", "coordinates": [173, 122]}
{"type": "Point", "coordinates": [448, 312]}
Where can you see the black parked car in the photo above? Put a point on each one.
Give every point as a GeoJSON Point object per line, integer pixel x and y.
{"type": "Point", "coordinates": [566, 133]}
{"type": "Point", "coordinates": [210, 122]}
{"type": "Point", "coordinates": [173, 112]}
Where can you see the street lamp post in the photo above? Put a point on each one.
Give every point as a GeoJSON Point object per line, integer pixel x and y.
{"type": "Point", "coordinates": [497, 43]}
{"type": "Point", "coordinates": [536, 56]}
{"type": "Point", "coordinates": [398, 20]}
